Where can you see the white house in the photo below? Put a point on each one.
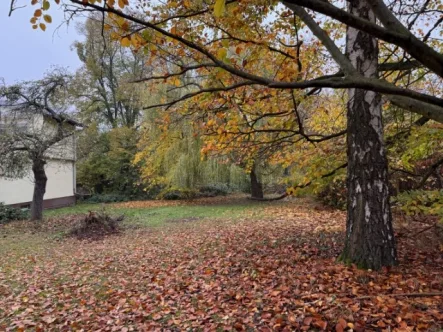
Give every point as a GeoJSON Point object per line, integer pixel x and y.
{"type": "Point", "coordinates": [59, 168]}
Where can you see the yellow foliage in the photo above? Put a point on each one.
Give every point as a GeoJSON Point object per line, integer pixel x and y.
{"type": "Point", "coordinates": [219, 8]}
{"type": "Point", "coordinates": [125, 42]}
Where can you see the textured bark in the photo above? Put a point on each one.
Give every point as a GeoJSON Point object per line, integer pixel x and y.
{"type": "Point", "coordinates": [370, 239]}
{"type": "Point", "coordinates": [256, 186]}
{"type": "Point", "coordinates": [38, 168]}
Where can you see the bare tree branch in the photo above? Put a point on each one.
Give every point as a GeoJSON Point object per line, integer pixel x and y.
{"type": "Point", "coordinates": [196, 93]}
{"type": "Point", "coordinates": [12, 7]}
{"type": "Point", "coordinates": [184, 69]}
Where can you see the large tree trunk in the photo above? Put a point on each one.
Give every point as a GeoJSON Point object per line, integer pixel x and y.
{"type": "Point", "coordinates": [256, 186]}
{"type": "Point", "coordinates": [38, 168]}
{"type": "Point", "coordinates": [370, 239]}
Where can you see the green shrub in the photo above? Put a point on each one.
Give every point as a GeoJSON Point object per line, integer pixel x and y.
{"type": "Point", "coordinates": [178, 193]}
{"type": "Point", "coordinates": [105, 161]}
{"type": "Point", "coordinates": [212, 190]}
{"type": "Point", "coordinates": [8, 213]}
{"type": "Point", "coordinates": [421, 202]}
{"type": "Point", "coordinates": [334, 194]}
{"type": "Point", "coordinates": [152, 192]}
{"type": "Point", "coordinates": [107, 198]}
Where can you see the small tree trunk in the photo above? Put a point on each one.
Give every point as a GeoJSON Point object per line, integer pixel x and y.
{"type": "Point", "coordinates": [38, 168]}
{"type": "Point", "coordinates": [370, 239]}
{"type": "Point", "coordinates": [256, 186]}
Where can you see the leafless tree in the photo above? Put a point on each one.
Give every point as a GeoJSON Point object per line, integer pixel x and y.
{"type": "Point", "coordinates": [35, 126]}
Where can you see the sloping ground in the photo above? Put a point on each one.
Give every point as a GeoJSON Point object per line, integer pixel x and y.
{"type": "Point", "coordinates": [276, 273]}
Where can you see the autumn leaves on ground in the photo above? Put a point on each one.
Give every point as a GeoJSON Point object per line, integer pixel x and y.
{"type": "Point", "coordinates": [216, 264]}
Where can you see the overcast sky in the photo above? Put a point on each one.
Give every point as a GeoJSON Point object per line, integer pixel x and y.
{"type": "Point", "coordinates": [26, 54]}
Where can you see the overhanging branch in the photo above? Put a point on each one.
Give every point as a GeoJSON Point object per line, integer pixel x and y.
{"type": "Point", "coordinates": [352, 81]}
{"type": "Point", "coordinates": [400, 37]}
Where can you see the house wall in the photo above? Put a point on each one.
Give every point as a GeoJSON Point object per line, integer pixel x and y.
{"type": "Point", "coordinates": [60, 188]}
{"type": "Point", "coordinates": [60, 167]}
{"type": "Point", "coordinates": [65, 149]}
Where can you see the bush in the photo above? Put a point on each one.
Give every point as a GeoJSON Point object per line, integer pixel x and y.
{"type": "Point", "coordinates": [421, 203]}
{"type": "Point", "coordinates": [212, 190]}
{"type": "Point", "coordinates": [177, 194]}
{"type": "Point", "coordinates": [334, 194]}
{"type": "Point", "coordinates": [107, 198]}
{"type": "Point", "coordinates": [8, 213]}
{"type": "Point", "coordinates": [153, 191]}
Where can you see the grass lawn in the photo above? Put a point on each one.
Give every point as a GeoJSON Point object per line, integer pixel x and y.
{"type": "Point", "coordinates": [155, 213]}
{"type": "Point", "coordinates": [218, 264]}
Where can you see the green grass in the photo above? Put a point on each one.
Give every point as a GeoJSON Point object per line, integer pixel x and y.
{"type": "Point", "coordinates": [157, 216]}
{"type": "Point", "coordinates": [76, 209]}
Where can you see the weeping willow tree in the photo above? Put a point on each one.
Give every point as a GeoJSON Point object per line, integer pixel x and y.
{"type": "Point", "coordinates": [169, 148]}
{"type": "Point", "coordinates": [170, 157]}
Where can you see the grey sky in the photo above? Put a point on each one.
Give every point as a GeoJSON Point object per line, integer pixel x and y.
{"type": "Point", "coordinates": [26, 54]}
